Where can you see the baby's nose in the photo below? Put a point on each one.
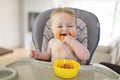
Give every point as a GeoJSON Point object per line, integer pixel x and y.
{"type": "Point", "coordinates": [65, 28]}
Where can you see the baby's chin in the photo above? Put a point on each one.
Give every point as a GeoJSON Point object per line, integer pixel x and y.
{"type": "Point", "coordinates": [62, 38]}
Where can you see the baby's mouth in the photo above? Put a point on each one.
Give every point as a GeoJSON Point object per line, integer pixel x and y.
{"type": "Point", "coordinates": [65, 34]}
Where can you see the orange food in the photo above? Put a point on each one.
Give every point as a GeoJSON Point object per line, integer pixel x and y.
{"type": "Point", "coordinates": [66, 66]}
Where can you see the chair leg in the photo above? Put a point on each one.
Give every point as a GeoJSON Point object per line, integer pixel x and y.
{"type": "Point", "coordinates": [114, 67]}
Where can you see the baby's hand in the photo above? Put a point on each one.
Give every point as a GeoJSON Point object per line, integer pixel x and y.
{"type": "Point", "coordinates": [68, 39]}
{"type": "Point", "coordinates": [34, 54]}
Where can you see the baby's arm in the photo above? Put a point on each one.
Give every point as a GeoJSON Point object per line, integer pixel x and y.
{"type": "Point", "coordinates": [80, 51]}
{"type": "Point", "coordinates": [41, 55]}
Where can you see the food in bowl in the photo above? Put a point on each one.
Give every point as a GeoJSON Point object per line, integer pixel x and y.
{"type": "Point", "coordinates": [66, 65]}
{"type": "Point", "coordinates": [66, 68]}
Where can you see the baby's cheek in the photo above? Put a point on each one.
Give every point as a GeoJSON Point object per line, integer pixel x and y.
{"type": "Point", "coordinates": [73, 33]}
{"type": "Point", "coordinates": [57, 35]}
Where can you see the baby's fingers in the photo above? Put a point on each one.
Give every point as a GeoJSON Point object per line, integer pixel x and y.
{"type": "Point", "coordinates": [67, 39]}
{"type": "Point", "coordinates": [33, 54]}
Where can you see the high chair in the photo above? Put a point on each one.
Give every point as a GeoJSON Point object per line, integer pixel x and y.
{"type": "Point", "coordinates": [88, 30]}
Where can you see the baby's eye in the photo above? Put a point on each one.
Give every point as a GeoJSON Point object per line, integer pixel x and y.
{"type": "Point", "coordinates": [59, 26]}
{"type": "Point", "coordinates": [69, 26]}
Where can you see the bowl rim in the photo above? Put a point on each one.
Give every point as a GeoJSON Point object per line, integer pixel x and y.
{"type": "Point", "coordinates": [74, 61]}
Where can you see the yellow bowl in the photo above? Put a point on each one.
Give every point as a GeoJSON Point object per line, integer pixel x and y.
{"type": "Point", "coordinates": [66, 68]}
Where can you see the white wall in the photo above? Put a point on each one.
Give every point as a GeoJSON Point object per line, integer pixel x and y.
{"type": "Point", "coordinates": [33, 6]}
{"type": "Point", "coordinates": [64, 3]}
{"type": "Point", "coordinates": [9, 24]}
{"type": "Point", "coordinates": [14, 20]}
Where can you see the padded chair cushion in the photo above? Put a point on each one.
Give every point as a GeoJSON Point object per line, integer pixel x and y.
{"type": "Point", "coordinates": [81, 34]}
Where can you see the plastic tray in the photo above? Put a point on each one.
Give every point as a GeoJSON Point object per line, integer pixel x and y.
{"type": "Point", "coordinates": [29, 69]}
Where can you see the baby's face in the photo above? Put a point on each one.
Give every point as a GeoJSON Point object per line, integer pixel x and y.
{"type": "Point", "coordinates": [62, 25]}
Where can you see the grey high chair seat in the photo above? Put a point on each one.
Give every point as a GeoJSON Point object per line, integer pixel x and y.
{"type": "Point", "coordinates": [88, 27]}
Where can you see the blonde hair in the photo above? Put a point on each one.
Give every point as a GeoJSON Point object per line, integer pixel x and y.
{"type": "Point", "coordinates": [64, 10]}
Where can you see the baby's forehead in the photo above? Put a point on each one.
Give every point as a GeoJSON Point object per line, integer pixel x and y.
{"type": "Point", "coordinates": [62, 13]}
{"type": "Point", "coordinates": [62, 16]}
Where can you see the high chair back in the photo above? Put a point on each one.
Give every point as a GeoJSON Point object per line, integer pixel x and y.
{"type": "Point", "coordinates": [88, 30]}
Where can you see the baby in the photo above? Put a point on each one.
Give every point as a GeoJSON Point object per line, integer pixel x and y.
{"type": "Point", "coordinates": [63, 25]}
